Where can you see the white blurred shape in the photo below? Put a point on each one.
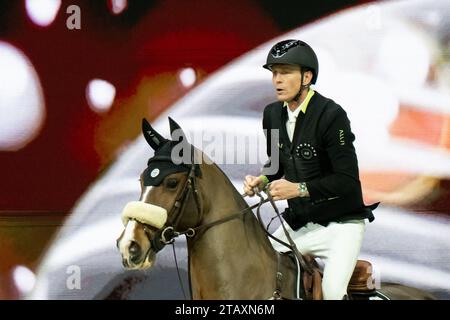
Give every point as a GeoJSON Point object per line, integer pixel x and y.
{"type": "Point", "coordinates": [24, 279]}
{"type": "Point", "coordinates": [14, 71]}
{"type": "Point", "coordinates": [42, 12]}
{"type": "Point", "coordinates": [327, 67]}
{"type": "Point", "coordinates": [100, 95]}
{"type": "Point", "coordinates": [22, 109]}
{"type": "Point", "coordinates": [433, 17]}
{"type": "Point", "coordinates": [118, 6]}
{"type": "Point", "coordinates": [87, 241]}
{"type": "Point", "coordinates": [371, 104]}
{"type": "Point", "coordinates": [404, 56]}
{"type": "Point", "coordinates": [187, 77]}
{"type": "Point", "coordinates": [372, 17]}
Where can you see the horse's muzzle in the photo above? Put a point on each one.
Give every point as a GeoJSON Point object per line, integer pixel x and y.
{"type": "Point", "coordinates": [135, 252]}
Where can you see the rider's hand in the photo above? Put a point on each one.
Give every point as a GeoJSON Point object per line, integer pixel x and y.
{"type": "Point", "coordinates": [251, 182]}
{"type": "Point", "coordinates": [282, 189]}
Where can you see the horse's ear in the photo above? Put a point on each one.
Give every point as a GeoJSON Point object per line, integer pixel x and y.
{"type": "Point", "coordinates": [154, 139]}
{"type": "Point", "coordinates": [176, 132]}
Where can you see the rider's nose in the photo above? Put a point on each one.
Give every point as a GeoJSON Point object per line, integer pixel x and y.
{"type": "Point", "coordinates": [135, 251]}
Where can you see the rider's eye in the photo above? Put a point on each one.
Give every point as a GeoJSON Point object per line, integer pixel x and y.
{"type": "Point", "coordinates": [171, 183]}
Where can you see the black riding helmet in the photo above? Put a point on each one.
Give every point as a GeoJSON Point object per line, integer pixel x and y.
{"type": "Point", "coordinates": [295, 52]}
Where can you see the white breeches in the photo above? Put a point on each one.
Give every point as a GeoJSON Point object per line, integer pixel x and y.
{"type": "Point", "coordinates": [337, 245]}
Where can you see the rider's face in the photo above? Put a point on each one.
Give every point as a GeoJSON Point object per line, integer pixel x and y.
{"type": "Point", "coordinates": [286, 80]}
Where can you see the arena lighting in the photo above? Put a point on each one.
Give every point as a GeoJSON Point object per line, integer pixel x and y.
{"type": "Point", "coordinates": [22, 110]}
{"type": "Point", "coordinates": [187, 77]}
{"type": "Point", "coordinates": [42, 12]}
{"type": "Point", "coordinates": [100, 95]}
{"type": "Point", "coordinates": [117, 6]}
{"type": "Point", "coordinates": [24, 279]}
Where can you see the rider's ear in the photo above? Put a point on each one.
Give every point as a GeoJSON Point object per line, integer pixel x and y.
{"type": "Point", "coordinates": [154, 139]}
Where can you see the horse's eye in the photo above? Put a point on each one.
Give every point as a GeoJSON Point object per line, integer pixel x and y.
{"type": "Point", "coordinates": [171, 183]}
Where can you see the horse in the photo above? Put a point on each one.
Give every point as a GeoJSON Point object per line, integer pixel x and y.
{"type": "Point", "coordinates": [230, 255]}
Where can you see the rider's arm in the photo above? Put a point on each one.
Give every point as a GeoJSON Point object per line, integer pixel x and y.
{"type": "Point", "coordinates": [269, 174]}
{"type": "Point", "coordinates": [338, 141]}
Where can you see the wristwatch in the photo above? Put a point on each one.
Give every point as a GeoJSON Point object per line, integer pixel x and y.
{"type": "Point", "coordinates": [302, 189]}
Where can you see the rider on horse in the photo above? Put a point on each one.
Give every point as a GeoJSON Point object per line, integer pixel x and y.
{"type": "Point", "coordinates": [318, 167]}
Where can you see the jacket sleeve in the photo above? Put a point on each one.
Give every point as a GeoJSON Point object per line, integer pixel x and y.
{"type": "Point", "coordinates": [338, 141]}
{"type": "Point", "coordinates": [273, 168]}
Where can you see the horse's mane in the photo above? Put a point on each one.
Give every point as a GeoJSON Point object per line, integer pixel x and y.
{"type": "Point", "coordinates": [237, 196]}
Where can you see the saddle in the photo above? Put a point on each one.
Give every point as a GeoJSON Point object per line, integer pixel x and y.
{"type": "Point", "coordinates": [361, 282]}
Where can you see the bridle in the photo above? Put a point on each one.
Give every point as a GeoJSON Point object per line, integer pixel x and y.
{"type": "Point", "coordinates": [167, 234]}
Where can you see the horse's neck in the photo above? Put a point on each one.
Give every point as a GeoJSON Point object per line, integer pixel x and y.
{"type": "Point", "coordinates": [232, 253]}
{"type": "Point", "coordinates": [226, 201]}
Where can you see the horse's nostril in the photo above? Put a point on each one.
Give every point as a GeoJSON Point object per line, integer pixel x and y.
{"type": "Point", "coordinates": [134, 250]}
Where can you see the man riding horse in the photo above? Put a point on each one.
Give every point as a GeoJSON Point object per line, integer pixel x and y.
{"type": "Point", "coordinates": [326, 213]}
{"type": "Point", "coordinates": [229, 253]}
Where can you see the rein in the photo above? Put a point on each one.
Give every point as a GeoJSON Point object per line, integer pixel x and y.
{"type": "Point", "coordinates": [291, 244]}
{"type": "Point", "coordinates": [168, 234]}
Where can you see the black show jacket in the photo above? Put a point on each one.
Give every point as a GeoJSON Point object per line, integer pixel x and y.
{"type": "Point", "coordinates": [322, 155]}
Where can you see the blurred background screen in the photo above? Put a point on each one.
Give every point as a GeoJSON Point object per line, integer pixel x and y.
{"type": "Point", "coordinates": [77, 77]}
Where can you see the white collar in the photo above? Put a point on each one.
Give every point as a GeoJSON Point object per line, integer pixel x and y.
{"type": "Point", "coordinates": [302, 107]}
{"type": "Point", "coordinates": [293, 114]}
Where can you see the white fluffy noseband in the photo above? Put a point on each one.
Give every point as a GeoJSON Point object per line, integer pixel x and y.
{"type": "Point", "coordinates": [145, 213]}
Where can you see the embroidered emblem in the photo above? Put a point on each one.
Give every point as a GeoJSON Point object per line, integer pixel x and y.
{"type": "Point", "coordinates": [154, 172]}
{"type": "Point", "coordinates": [341, 137]}
{"type": "Point", "coordinates": [305, 151]}
{"type": "Point", "coordinates": [281, 48]}
{"type": "Point", "coordinates": [153, 137]}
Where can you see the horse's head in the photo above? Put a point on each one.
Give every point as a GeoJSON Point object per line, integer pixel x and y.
{"type": "Point", "coordinates": [169, 201]}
